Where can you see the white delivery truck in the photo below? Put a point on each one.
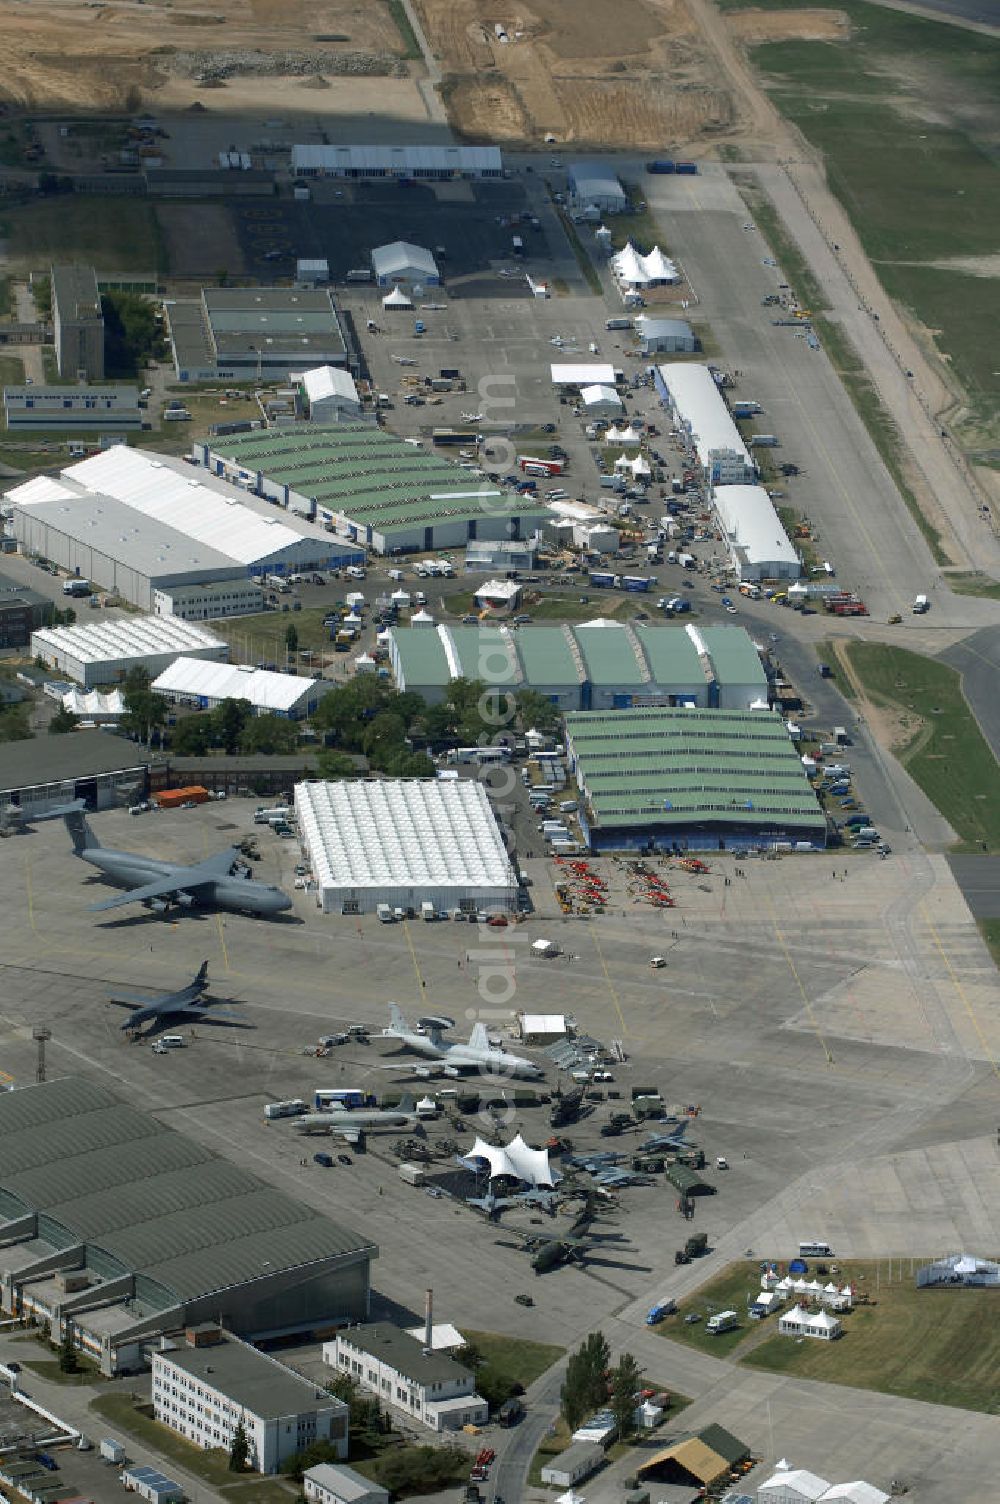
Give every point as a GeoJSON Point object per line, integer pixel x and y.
{"type": "Point", "coordinates": [384, 912]}
{"type": "Point", "coordinates": [920, 605]}
{"type": "Point", "coordinates": [412, 1174]}
{"type": "Point", "coordinates": [725, 1321]}
{"type": "Point", "coordinates": [112, 1451]}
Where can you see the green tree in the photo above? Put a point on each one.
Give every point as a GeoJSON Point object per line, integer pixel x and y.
{"type": "Point", "coordinates": [63, 720]}
{"type": "Point", "coordinates": [193, 736]}
{"type": "Point", "coordinates": [333, 765]}
{"type": "Point", "coordinates": [145, 712]}
{"type": "Point", "coordinates": [14, 724]}
{"type": "Point", "coordinates": [626, 1381]}
{"type": "Point", "coordinates": [131, 332]}
{"type": "Point", "coordinates": [586, 1385]}
{"type": "Point", "coordinates": [239, 1450]}
{"type": "Point", "coordinates": [269, 733]}
{"type": "Point", "coordinates": [229, 719]}
{"type": "Point", "coordinates": [292, 638]}
{"type": "Point", "coordinates": [310, 1456]}
{"type": "Point", "coordinates": [69, 1358]}
{"type": "Point", "coordinates": [535, 712]}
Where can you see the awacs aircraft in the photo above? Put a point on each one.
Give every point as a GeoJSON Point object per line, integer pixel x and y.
{"type": "Point", "coordinates": [351, 1122]}
{"type": "Point", "coordinates": [458, 1058]}
{"type": "Point", "coordinates": [189, 1003]}
{"type": "Point", "coordinates": [157, 884]}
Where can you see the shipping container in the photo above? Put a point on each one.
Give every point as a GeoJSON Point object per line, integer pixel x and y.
{"type": "Point", "coordinates": [604, 581]}
{"type": "Point", "coordinates": [636, 582]}
{"type": "Point", "coordinates": [174, 798]}
{"type": "Point", "coordinates": [689, 169]}
{"type": "Point", "coordinates": [662, 164]}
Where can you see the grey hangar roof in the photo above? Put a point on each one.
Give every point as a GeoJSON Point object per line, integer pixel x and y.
{"type": "Point", "coordinates": [100, 1172]}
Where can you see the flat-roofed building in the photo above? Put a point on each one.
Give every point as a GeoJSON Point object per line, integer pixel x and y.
{"type": "Point", "coordinates": [76, 409]}
{"type": "Point", "coordinates": [692, 780]}
{"type": "Point", "coordinates": [212, 1383]}
{"type": "Point", "coordinates": [238, 333]}
{"type": "Point", "coordinates": [428, 162]}
{"type": "Point", "coordinates": [78, 323]}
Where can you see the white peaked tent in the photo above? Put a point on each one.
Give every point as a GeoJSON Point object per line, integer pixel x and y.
{"type": "Point", "coordinates": [634, 270]}
{"type": "Point", "coordinates": [518, 1160]}
{"type": "Point", "coordinates": [421, 619]}
{"type": "Point", "coordinates": [396, 299]}
{"type": "Point", "coordinates": [626, 435]}
{"type": "Point", "coordinates": [364, 664]}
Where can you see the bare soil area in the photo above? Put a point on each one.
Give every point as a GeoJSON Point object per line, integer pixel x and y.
{"type": "Point", "coordinates": [753, 26]}
{"type": "Point", "coordinates": [566, 68]}
{"type": "Point", "coordinates": [81, 55]}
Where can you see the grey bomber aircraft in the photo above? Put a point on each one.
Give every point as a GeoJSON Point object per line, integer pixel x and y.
{"type": "Point", "coordinates": [189, 1003]}
{"type": "Point", "coordinates": [158, 884]}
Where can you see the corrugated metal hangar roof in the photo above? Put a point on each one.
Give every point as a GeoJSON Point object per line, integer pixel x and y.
{"type": "Point", "coordinates": [161, 1204]}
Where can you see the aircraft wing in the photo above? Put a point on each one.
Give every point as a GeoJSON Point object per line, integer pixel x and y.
{"type": "Point", "coordinates": [184, 880]}
{"type": "Point", "coordinates": [164, 1000]}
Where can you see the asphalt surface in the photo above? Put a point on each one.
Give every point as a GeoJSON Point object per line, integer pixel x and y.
{"type": "Point", "coordinates": [977, 659]}
{"type": "Point", "coordinates": [979, 879]}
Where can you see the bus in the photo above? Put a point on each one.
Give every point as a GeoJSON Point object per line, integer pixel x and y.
{"type": "Point", "coordinates": [815, 1250]}
{"type": "Point", "coordinates": [327, 1098]}
{"type": "Point", "coordinates": [454, 436]}
{"type": "Point", "coordinates": [484, 756]}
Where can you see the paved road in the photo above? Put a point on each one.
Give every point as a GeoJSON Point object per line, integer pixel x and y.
{"type": "Point", "coordinates": [977, 659]}
{"type": "Point", "coordinates": [979, 879]}
{"type": "Point", "coordinates": [985, 13]}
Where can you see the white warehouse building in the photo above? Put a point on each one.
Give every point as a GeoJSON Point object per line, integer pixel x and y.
{"type": "Point", "coordinates": [103, 652]}
{"type": "Point", "coordinates": [759, 547]}
{"type": "Point", "coordinates": [404, 844]}
{"type": "Point", "coordinates": [192, 681]}
{"type": "Point", "coordinates": [204, 1390]}
{"type": "Point", "coordinates": [432, 163]}
{"type": "Point", "coordinates": [137, 523]}
{"type": "Point", "coordinates": [402, 262]}
{"type": "Point", "coordinates": [698, 407]}
{"type": "Point", "coordinates": [329, 394]}
{"type": "Point", "coordinates": [593, 185]}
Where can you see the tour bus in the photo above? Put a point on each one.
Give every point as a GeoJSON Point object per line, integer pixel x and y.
{"type": "Point", "coordinates": [815, 1250]}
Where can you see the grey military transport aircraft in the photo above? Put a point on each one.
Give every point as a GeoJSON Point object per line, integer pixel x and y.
{"type": "Point", "coordinates": [157, 884]}
{"type": "Point", "coordinates": [189, 1003]}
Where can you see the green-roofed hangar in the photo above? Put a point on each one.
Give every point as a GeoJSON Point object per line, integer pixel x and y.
{"type": "Point", "coordinates": [691, 780]}
{"type": "Point", "coordinates": [127, 1230]}
{"type": "Point", "coordinates": [598, 665]}
{"type": "Point", "coordinates": [371, 487]}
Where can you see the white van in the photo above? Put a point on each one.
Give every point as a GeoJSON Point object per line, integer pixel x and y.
{"type": "Point", "coordinates": [354, 572]}
{"type": "Point", "coordinates": [725, 1321]}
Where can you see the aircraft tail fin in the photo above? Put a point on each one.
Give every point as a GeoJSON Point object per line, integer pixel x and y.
{"type": "Point", "coordinates": [407, 1102]}
{"type": "Point", "coordinates": [397, 1022]}
{"type": "Point", "coordinates": [201, 980]}
{"type": "Point", "coordinates": [82, 836]}
{"type": "Point", "coordinates": [479, 1039]}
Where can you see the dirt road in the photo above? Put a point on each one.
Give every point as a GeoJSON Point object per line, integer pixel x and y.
{"type": "Point", "coordinates": [952, 496]}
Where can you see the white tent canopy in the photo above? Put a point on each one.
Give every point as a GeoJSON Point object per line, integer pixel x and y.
{"type": "Point", "coordinates": [518, 1160]}
{"type": "Point", "coordinates": [632, 269]}
{"type": "Point", "coordinates": [626, 435]}
{"type": "Point", "coordinates": [396, 299]}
